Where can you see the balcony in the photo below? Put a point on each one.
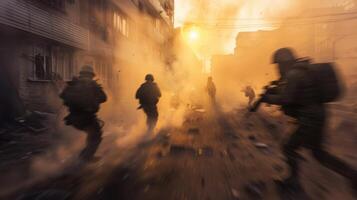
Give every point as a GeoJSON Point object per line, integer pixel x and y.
{"type": "Point", "coordinates": [23, 15]}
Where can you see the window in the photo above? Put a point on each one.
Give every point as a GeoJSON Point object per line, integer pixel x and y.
{"type": "Point", "coordinates": [120, 24]}
{"type": "Point", "coordinates": [62, 62]}
{"type": "Point", "coordinates": [52, 62]}
{"type": "Point", "coordinates": [103, 70]}
{"type": "Point", "coordinates": [42, 68]}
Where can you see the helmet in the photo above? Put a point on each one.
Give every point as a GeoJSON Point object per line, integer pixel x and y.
{"type": "Point", "coordinates": [87, 69]}
{"type": "Point", "coordinates": [283, 55]}
{"type": "Point", "coordinates": [149, 77]}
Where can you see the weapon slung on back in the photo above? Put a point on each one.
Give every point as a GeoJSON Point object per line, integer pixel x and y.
{"type": "Point", "coordinates": [269, 89]}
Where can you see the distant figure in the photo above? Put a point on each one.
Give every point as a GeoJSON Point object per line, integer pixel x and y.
{"type": "Point", "coordinates": [302, 95]}
{"type": "Point", "coordinates": [211, 89]}
{"type": "Point", "coordinates": [148, 95]}
{"type": "Point", "coordinates": [83, 97]}
{"type": "Point", "coordinates": [249, 92]}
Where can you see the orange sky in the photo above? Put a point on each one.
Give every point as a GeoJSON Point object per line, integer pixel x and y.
{"type": "Point", "coordinates": [221, 20]}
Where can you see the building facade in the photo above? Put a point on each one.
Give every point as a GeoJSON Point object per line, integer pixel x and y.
{"type": "Point", "coordinates": [45, 42]}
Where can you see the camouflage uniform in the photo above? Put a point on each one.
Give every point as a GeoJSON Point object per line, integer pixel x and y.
{"type": "Point", "coordinates": [83, 111]}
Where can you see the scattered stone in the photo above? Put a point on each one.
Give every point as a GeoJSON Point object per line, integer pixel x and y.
{"type": "Point", "coordinates": [177, 150]}
{"type": "Point", "coordinates": [252, 138]}
{"type": "Point", "coordinates": [255, 189]}
{"type": "Point", "coordinates": [235, 194]}
{"type": "Point", "coordinates": [263, 148]}
{"type": "Point", "coordinates": [206, 151]}
{"type": "Point", "coordinates": [194, 131]}
{"type": "Point", "coordinates": [261, 145]}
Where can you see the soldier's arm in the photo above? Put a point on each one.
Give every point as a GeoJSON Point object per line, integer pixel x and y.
{"type": "Point", "coordinates": [288, 94]}
{"type": "Point", "coordinates": [138, 93]}
{"type": "Point", "coordinates": [158, 91]}
{"type": "Point", "coordinates": [100, 94]}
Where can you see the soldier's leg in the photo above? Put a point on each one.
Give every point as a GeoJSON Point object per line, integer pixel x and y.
{"type": "Point", "coordinates": [152, 116]}
{"type": "Point", "coordinates": [329, 161]}
{"type": "Point", "coordinates": [94, 138]}
{"type": "Point", "coordinates": [332, 162]}
{"type": "Point", "coordinates": [147, 113]}
{"type": "Point", "coordinates": [290, 152]}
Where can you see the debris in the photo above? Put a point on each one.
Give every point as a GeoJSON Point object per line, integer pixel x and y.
{"type": "Point", "coordinates": [235, 194]}
{"type": "Point", "coordinates": [261, 145]}
{"type": "Point", "coordinates": [180, 150]}
{"type": "Point", "coordinates": [252, 138]}
{"type": "Point", "coordinates": [255, 189]}
{"type": "Point", "coordinates": [194, 131]}
{"type": "Point", "coordinates": [205, 151]}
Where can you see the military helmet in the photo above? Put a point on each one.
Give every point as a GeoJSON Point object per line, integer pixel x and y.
{"type": "Point", "coordinates": [149, 77]}
{"type": "Point", "coordinates": [87, 69]}
{"type": "Point", "coordinates": [284, 55]}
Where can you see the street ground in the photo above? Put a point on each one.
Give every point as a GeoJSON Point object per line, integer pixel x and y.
{"type": "Point", "coordinates": [212, 156]}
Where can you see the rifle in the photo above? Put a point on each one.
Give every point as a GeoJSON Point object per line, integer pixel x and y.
{"type": "Point", "coordinates": [268, 89]}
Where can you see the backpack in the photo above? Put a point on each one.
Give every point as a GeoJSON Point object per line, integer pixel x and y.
{"type": "Point", "coordinates": [148, 94]}
{"type": "Point", "coordinates": [327, 82]}
{"type": "Point", "coordinates": [80, 95]}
